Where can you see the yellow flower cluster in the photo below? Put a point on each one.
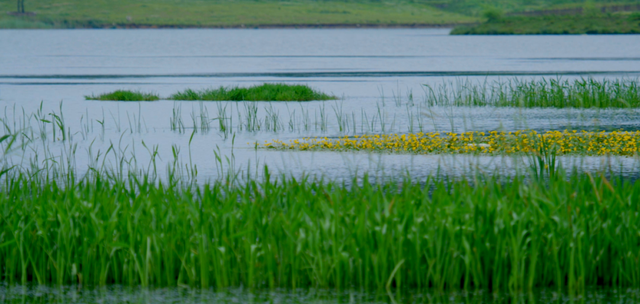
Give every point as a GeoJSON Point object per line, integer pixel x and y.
{"type": "Point", "coordinates": [565, 142]}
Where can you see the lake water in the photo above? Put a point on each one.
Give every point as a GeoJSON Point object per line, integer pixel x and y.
{"type": "Point", "coordinates": [137, 295]}
{"type": "Point", "coordinates": [379, 74]}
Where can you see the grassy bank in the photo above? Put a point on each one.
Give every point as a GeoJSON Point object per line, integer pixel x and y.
{"type": "Point", "coordinates": [442, 234]}
{"type": "Point", "coordinates": [543, 93]}
{"type": "Point", "coordinates": [194, 13]}
{"type": "Point", "coordinates": [555, 25]}
{"type": "Point", "coordinates": [519, 142]}
{"type": "Point", "coordinates": [124, 95]}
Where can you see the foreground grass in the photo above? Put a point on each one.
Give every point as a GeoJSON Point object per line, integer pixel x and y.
{"type": "Point", "coordinates": [442, 234]}
{"type": "Point", "coordinates": [264, 92]}
{"type": "Point", "coordinates": [556, 24]}
{"type": "Point", "coordinates": [559, 143]}
{"type": "Point", "coordinates": [194, 13]}
{"type": "Point", "coordinates": [124, 95]}
{"type": "Point", "coordinates": [543, 93]}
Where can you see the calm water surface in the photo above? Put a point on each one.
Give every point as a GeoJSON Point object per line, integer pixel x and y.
{"type": "Point", "coordinates": [136, 295]}
{"type": "Point", "coordinates": [379, 75]}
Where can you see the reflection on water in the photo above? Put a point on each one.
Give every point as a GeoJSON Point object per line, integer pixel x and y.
{"type": "Point", "coordinates": [122, 294]}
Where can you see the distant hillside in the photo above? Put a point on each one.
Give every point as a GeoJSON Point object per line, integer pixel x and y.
{"type": "Point", "coordinates": [532, 7]}
{"type": "Point", "coordinates": [585, 23]}
{"type": "Point", "coordinates": [271, 13]}
{"type": "Point", "coordinates": [225, 13]}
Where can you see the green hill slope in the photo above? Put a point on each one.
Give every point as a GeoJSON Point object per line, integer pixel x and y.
{"type": "Point", "coordinates": [200, 13]}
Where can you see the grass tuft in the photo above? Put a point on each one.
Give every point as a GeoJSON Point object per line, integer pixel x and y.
{"type": "Point", "coordinates": [125, 95]}
{"type": "Point", "coordinates": [264, 92]}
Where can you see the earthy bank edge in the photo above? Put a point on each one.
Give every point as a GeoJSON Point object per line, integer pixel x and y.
{"type": "Point", "coordinates": [438, 233]}
{"type": "Point", "coordinates": [555, 25]}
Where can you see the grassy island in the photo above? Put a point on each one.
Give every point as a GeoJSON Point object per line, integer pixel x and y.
{"type": "Point", "coordinates": [555, 25]}
{"type": "Point", "coordinates": [124, 95]}
{"type": "Point", "coordinates": [264, 92]}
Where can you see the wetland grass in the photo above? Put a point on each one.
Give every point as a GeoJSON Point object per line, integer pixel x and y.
{"type": "Point", "coordinates": [124, 95]}
{"type": "Point", "coordinates": [264, 92]}
{"type": "Point", "coordinates": [443, 234]}
{"type": "Point", "coordinates": [543, 93]}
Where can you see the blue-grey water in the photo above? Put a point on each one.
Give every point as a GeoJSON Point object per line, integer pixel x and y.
{"type": "Point", "coordinates": [378, 74]}
{"type": "Point", "coordinates": [137, 295]}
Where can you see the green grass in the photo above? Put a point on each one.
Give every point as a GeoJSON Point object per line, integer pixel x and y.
{"type": "Point", "coordinates": [556, 24]}
{"type": "Point", "coordinates": [445, 234]}
{"type": "Point", "coordinates": [264, 92]}
{"type": "Point", "coordinates": [223, 13]}
{"type": "Point", "coordinates": [544, 93]}
{"type": "Point", "coordinates": [124, 95]}
{"type": "Point", "coordinates": [248, 13]}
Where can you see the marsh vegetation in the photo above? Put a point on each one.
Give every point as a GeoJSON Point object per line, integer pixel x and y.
{"type": "Point", "coordinates": [155, 221]}
{"type": "Point", "coordinates": [124, 95]}
{"type": "Point", "coordinates": [264, 92]}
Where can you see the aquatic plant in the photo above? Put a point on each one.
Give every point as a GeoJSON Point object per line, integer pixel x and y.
{"type": "Point", "coordinates": [124, 95]}
{"type": "Point", "coordinates": [566, 142]}
{"type": "Point", "coordinates": [437, 233]}
{"type": "Point", "coordinates": [544, 93]}
{"type": "Point", "coordinates": [264, 92]}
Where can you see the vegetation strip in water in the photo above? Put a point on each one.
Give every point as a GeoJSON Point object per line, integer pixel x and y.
{"type": "Point", "coordinates": [543, 93]}
{"type": "Point", "coordinates": [555, 24]}
{"type": "Point", "coordinates": [124, 95]}
{"type": "Point", "coordinates": [439, 233]}
{"type": "Point", "coordinates": [625, 143]}
{"type": "Point", "coordinates": [264, 92]}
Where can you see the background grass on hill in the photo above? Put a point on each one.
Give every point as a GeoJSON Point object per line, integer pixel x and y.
{"type": "Point", "coordinates": [194, 13]}
{"type": "Point", "coordinates": [248, 13]}
{"type": "Point", "coordinates": [598, 23]}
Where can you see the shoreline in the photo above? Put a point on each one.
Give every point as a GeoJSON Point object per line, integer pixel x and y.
{"type": "Point", "coordinates": [263, 26]}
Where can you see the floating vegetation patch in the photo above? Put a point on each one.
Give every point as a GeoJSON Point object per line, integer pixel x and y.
{"type": "Point", "coordinates": [264, 92]}
{"type": "Point", "coordinates": [544, 93]}
{"type": "Point", "coordinates": [124, 95]}
{"type": "Point", "coordinates": [444, 234]}
{"type": "Point", "coordinates": [625, 143]}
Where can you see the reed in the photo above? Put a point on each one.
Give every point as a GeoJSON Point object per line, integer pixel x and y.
{"type": "Point", "coordinates": [264, 92]}
{"type": "Point", "coordinates": [124, 95]}
{"type": "Point", "coordinates": [544, 93]}
{"type": "Point", "coordinates": [478, 233]}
